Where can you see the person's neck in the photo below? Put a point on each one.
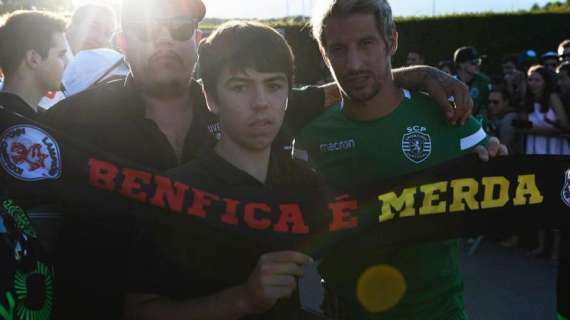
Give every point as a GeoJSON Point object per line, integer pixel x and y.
{"type": "Point", "coordinates": [464, 76]}
{"type": "Point", "coordinates": [381, 105]}
{"type": "Point", "coordinates": [72, 44]}
{"type": "Point", "coordinates": [166, 109]}
{"type": "Point", "coordinates": [537, 96]}
{"type": "Point", "coordinates": [255, 163]}
{"type": "Point", "coordinates": [26, 88]}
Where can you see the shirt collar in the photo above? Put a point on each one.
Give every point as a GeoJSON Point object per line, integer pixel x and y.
{"type": "Point", "coordinates": [16, 104]}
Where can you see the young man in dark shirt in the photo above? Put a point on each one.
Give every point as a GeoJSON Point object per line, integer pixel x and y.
{"type": "Point", "coordinates": [247, 87]}
{"type": "Point", "coordinates": [32, 57]}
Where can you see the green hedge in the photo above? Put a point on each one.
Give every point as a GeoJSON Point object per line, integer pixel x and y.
{"type": "Point", "coordinates": [493, 34]}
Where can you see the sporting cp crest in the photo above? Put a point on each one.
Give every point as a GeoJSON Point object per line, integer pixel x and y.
{"type": "Point", "coordinates": [565, 194]}
{"type": "Point", "coordinates": [29, 153]}
{"type": "Point", "coordinates": [416, 144]}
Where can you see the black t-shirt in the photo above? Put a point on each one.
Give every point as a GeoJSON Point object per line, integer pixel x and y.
{"type": "Point", "coordinates": [169, 262]}
{"type": "Point", "coordinates": [26, 272]}
{"type": "Point", "coordinates": [92, 254]}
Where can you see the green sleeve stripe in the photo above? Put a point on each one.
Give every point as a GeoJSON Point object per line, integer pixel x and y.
{"type": "Point", "coordinates": [472, 140]}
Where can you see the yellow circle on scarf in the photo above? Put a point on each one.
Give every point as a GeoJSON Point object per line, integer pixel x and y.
{"type": "Point", "coordinates": [380, 288]}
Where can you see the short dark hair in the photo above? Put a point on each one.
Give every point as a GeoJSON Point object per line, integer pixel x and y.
{"type": "Point", "coordinates": [240, 45]}
{"type": "Point", "coordinates": [380, 9]}
{"type": "Point", "coordinates": [27, 30]}
{"type": "Point", "coordinates": [502, 91]}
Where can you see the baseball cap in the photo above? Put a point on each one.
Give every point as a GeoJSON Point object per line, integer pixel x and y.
{"type": "Point", "coordinates": [527, 57]}
{"type": "Point", "coordinates": [143, 8]}
{"type": "Point", "coordinates": [549, 55]}
{"type": "Point", "coordinates": [464, 54]}
{"type": "Point", "coordinates": [90, 67]}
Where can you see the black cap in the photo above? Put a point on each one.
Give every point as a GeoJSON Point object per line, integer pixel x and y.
{"type": "Point", "coordinates": [464, 54]}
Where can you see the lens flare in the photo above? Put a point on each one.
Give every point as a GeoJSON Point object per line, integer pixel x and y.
{"type": "Point", "coordinates": [380, 288]}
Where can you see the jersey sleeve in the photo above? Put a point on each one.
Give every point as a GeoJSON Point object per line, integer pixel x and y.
{"type": "Point", "coordinates": [471, 135]}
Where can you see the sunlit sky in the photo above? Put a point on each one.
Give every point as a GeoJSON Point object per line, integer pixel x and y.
{"type": "Point", "coordinates": [263, 9]}
{"type": "Point", "coordinates": [279, 8]}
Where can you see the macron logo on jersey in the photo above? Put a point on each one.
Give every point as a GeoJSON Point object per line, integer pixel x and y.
{"type": "Point", "coordinates": [338, 146]}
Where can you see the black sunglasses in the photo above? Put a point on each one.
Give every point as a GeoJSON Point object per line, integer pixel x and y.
{"type": "Point", "coordinates": [565, 56]}
{"type": "Point", "coordinates": [179, 28]}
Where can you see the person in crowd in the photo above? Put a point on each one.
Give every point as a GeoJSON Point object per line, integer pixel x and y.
{"type": "Point", "coordinates": [32, 61]}
{"type": "Point", "coordinates": [92, 26]}
{"type": "Point", "coordinates": [32, 57]}
{"type": "Point", "coordinates": [514, 81]}
{"type": "Point", "coordinates": [548, 117]}
{"type": "Point", "coordinates": [360, 37]}
{"type": "Point", "coordinates": [241, 83]}
{"type": "Point", "coordinates": [563, 76]}
{"type": "Point", "coordinates": [550, 61]}
{"type": "Point", "coordinates": [564, 50]}
{"type": "Point", "coordinates": [468, 66]}
{"type": "Point", "coordinates": [509, 64]}
{"type": "Point", "coordinates": [527, 59]}
{"type": "Point", "coordinates": [415, 58]}
{"type": "Point", "coordinates": [501, 117]}
{"type": "Point", "coordinates": [446, 66]}
{"type": "Point", "coordinates": [546, 112]}
{"type": "Point", "coordinates": [157, 119]}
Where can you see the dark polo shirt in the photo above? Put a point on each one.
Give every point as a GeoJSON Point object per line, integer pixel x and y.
{"type": "Point", "coordinates": [92, 253]}
{"type": "Point", "coordinates": [24, 261]}
{"type": "Point", "coordinates": [169, 262]}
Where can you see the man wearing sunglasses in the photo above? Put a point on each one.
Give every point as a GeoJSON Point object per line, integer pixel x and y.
{"type": "Point", "coordinates": [157, 119]}
{"type": "Point", "coordinates": [468, 65]}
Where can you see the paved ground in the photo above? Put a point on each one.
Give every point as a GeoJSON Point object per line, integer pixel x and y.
{"type": "Point", "coordinates": [500, 284]}
{"type": "Point", "coordinates": [504, 284]}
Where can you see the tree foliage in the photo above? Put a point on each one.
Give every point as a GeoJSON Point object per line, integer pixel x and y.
{"type": "Point", "coordinates": [552, 6]}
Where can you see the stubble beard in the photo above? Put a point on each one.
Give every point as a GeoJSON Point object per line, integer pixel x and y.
{"type": "Point", "coordinates": [172, 88]}
{"type": "Point", "coordinates": [363, 96]}
{"type": "Point", "coordinates": [163, 87]}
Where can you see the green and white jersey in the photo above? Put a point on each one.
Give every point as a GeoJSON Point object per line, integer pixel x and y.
{"type": "Point", "coordinates": [347, 152]}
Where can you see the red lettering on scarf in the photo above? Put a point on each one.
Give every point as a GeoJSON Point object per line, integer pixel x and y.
{"type": "Point", "coordinates": [291, 214]}
{"type": "Point", "coordinates": [230, 217]}
{"type": "Point", "coordinates": [252, 220]}
{"type": "Point", "coordinates": [102, 174]}
{"type": "Point", "coordinates": [132, 184]}
{"type": "Point", "coordinates": [201, 199]}
{"type": "Point", "coordinates": [342, 212]}
{"type": "Point", "coordinates": [165, 191]}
